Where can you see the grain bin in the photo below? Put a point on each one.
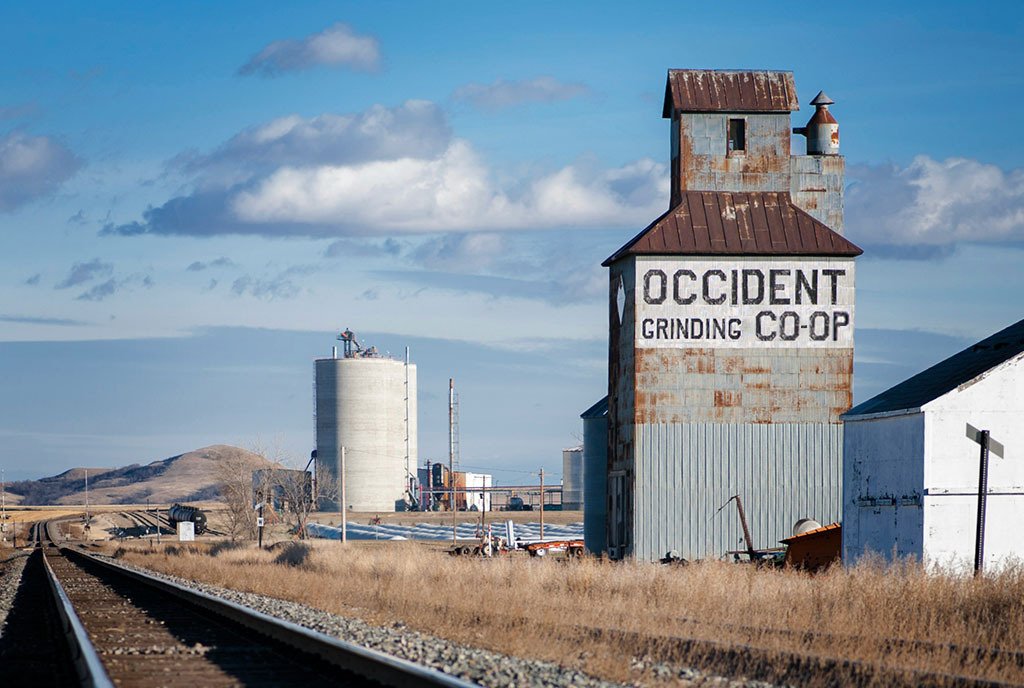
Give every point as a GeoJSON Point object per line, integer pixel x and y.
{"type": "Point", "coordinates": [572, 479]}
{"type": "Point", "coordinates": [366, 402]}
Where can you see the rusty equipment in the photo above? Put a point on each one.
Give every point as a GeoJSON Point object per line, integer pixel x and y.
{"type": "Point", "coordinates": [751, 552]}
{"type": "Point", "coordinates": [572, 548]}
{"type": "Point", "coordinates": [814, 550]}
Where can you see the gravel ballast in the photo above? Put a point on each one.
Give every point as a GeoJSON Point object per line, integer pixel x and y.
{"type": "Point", "coordinates": [11, 567]}
{"type": "Point", "coordinates": [481, 666]}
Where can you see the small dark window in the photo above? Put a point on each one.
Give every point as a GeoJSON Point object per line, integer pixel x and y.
{"type": "Point", "coordinates": [737, 135]}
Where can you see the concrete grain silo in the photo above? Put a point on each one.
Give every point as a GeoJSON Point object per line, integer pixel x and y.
{"type": "Point", "coordinates": [366, 403]}
{"type": "Point", "coordinates": [731, 327]}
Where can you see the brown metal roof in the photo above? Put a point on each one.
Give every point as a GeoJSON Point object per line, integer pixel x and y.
{"type": "Point", "coordinates": [716, 90]}
{"type": "Point", "coordinates": [763, 223]}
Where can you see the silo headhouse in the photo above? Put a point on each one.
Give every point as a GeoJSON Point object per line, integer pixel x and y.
{"type": "Point", "coordinates": [731, 327]}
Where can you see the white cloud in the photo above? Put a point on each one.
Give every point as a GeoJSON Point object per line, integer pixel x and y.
{"type": "Point", "coordinates": [32, 167]}
{"type": "Point", "coordinates": [416, 128]}
{"type": "Point", "coordinates": [388, 171]}
{"type": "Point", "coordinates": [450, 193]}
{"type": "Point", "coordinates": [335, 46]}
{"type": "Point", "coordinates": [933, 205]}
{"type": "Point", "coordinates": [504, 94]}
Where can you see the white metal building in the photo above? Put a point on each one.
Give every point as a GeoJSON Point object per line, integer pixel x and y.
{"type": "Point", "coordinates": [366, 403]}
{"type": "Point", "coordinates": [478, 495]}
{"type": "Point", "coordinates": [910, 473]}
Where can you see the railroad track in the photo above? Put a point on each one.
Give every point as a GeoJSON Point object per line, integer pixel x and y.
{"type": "Point", "coordinates": [158, 520]}
{"type": "Point", "coordinates": [127, 628]}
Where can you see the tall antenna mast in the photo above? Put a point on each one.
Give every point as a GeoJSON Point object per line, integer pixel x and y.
{"type": "Point", "coordinates": [451, 451]}
{"type": "Point", "coordinates": [408, 454]}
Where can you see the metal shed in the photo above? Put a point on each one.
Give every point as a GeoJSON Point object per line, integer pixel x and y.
{"type": "Point", "coordinates": [910, 473]}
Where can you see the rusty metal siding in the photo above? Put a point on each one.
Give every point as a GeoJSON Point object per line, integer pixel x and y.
{"type": "Point", "coordinates": [717, 90]}
{"type": "Point", "coordinates": [816, 186]}
{"type": "Point", "coordinates": [621, 365]}
{"type": "Point", "coordinates": [686, 471]}
{"type": "Point", "coordinates": [799, 385]}
{"type": "Point", "coordinates": [705, 162]}
{"type": "Point", "coordinates": [621, 397]}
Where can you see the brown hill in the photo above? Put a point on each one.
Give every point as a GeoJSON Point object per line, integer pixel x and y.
{"type": "Point", "coordinates": [189, 477]}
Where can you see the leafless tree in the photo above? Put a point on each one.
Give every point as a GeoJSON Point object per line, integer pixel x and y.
{"type": "Point", "coordinates": [291, 490]}
{"type": "Point", "coordinates": [238, 487]}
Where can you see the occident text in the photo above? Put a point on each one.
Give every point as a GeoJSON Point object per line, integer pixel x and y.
{"type": "Point", "coordinates": [756, 303]}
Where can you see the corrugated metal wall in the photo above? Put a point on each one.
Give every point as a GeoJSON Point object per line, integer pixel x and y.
{"type": "Point", "coordinates": [706, 165]}
{"type": "Point", "coordinates": [595, 483]}
{"type": "Point", "coordinates": [816, 186]}
{"type": "Point", "coordinates": [685, 472]}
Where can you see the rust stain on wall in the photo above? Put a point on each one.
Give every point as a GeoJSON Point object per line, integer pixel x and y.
{"type": "Point", "coordinates": [796, 385]}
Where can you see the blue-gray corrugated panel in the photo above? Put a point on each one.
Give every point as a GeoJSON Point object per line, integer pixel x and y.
{"type": "Point", "coordinates": [595, 483]}
{"type": "Point", "coordinates": [685, 472]}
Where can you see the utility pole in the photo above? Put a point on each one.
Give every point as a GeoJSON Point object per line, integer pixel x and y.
{"type": "Point", "coordinates": [87, 518]}
{"type": "Point", "coordinates": [341, 495]}
{"type": "Point", "coordinates": [451, 452]}
{"type": "Point", "coordinates": [3, 506]}
{"type": "Point", "coordinates": [541, 503]}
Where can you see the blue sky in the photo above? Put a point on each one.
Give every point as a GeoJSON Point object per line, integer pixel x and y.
{"type": "Point", "coordinates": [194, 200]}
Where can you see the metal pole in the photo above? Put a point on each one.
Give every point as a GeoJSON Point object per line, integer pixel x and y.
{"type": "Point", "coordinates": [451, 452]}
{"type": "Point", "coordinates": [408, 454]}
{"type": "Point", "coordinates": [342, 499]}
{"type": "Point", "coordinates": [542, 504]}
{"type": "Point", "coordinates": [979, 543]}
{"type": "Point", "coordinates": [86, 504]}
{"type": "Point", "coordinates": [260, 529]}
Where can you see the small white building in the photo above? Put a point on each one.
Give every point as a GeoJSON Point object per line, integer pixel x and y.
{"type": "Point", "coordinates": [478, 491]}
{"type": "Point", "coordinates": [910, 473]}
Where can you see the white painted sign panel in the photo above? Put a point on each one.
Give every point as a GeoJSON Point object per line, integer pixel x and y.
{"type": "Point", "coordinates": [186, 531]}
{"type": "Point", "coordinates": [746, 303]}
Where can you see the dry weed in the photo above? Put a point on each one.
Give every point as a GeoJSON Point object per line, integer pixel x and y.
{"type": "Point", "coordinates": [900, 616]}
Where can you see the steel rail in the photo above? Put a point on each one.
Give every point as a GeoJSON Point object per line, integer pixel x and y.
{"type": "Point", "coordinates": [371, 664]}
{"type": "Point", "coordinates": [88, 666]}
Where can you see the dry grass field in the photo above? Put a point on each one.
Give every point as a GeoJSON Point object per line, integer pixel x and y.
{"type": "Point", "coordinates": [901, 618]}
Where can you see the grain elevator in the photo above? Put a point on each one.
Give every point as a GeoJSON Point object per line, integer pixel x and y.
{"type": "Point", "coordinates": [366, 403]}
{"type": "Point", "coordinates": [731, 327]}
